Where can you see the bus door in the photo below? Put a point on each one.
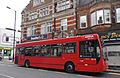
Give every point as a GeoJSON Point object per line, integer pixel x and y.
{"type": "Point", "coordinates": [89, 52]}
{"type": "Point", "coordinates": [22, 54]}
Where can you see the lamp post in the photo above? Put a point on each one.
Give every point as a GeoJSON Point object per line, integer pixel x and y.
{"type": "Point", "coordinates": [14, 31]}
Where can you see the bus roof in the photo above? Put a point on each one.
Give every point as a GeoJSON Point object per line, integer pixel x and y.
{"type": "Point", "coordinates": [59, 40]}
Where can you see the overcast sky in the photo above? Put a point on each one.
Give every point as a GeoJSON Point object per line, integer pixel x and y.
{"type": "Point", "coordinates": [7, 16]}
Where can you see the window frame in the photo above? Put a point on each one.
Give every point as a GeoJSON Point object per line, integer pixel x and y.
{"type": "Point", "coordinates": [118, 15]}
{"type": "Point", "coordinates": [64, 24]}
{"type": "Point", "coordinates": [95, 17]}
{"type": "Point", "coordinates": [83, 21]}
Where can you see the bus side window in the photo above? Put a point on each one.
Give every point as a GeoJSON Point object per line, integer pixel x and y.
{"type": "Point", "coordinates": [89, 49]}
{"type": "Point", "coordinates": [69, 47]}
{"type": "Point", "coordinates": [36, 51]}
{"type": "Point", "coordinates": [56, 50]}
{"type": "Point", "coordinates": [21, 50]}
{"type": "Point", "coordinates": [28, 51]}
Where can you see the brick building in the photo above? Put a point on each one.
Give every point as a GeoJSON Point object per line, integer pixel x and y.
{"type": "Point", "coordinates": [102, 17]}
{"type": "Point", "coordinates": [46, 19]}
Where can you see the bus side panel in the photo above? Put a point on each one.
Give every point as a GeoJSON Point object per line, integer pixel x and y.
{"type": "Point", "coordinates": [47, 62]}
{"type": "Point", "coordinates": [100, 67]}
{"type": "Point", "coordinates": [21, 60]}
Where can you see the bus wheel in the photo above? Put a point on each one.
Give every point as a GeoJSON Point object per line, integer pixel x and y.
{"type": "Point", "coordinates": [69, 67]}
{"type": "Point", "coordinates": [27, 64]}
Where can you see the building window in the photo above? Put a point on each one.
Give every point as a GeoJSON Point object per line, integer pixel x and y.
{"type": "Point", "coordinates": [37, 2]}
{"type": "Point", "coordinates": [107, 16]}
{"type": "Point", "coordinates": [7, 39]}
{"type": "Point", "coordinates": [83, 21]}
{"type": "Point", "coordinates": [49, 27]}
{"type": "Point", "coordinates": [44, 12]}
{"type": "Point", "coordinates": [33, 16]}
{"type": "Point", "coordinates": [118, 15]}
{"type": "Point", "coordinates": [93, 19]}
{"type": "Point", "coordinates": [31, 31]}
{"type": "Point", "coordinates": [63, 24]}
{"type": "Point", "coordinates": [44, 28]}
{"type": "Point", "coordinates": [100, 17]}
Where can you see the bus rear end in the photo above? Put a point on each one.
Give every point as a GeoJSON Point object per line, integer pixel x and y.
{"type": "Point", "coordinates": [90, 55]}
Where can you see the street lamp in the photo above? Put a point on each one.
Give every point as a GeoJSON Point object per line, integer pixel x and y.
{"type": "Point", "coordinates": [14, 31]}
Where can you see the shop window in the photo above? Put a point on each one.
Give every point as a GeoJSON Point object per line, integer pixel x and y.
{"type": "Point", "coordinates": [7, 52]}
{"type": "Point", "coordinates": [113, 53]}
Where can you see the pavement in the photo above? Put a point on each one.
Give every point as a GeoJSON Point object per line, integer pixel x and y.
{"type": "Point", "coordinates": [114, 70]}
{"type": "Point", "coordinates": [6, 61]}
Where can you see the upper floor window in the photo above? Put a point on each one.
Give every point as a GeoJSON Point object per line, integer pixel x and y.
{"type": "Point", "coordinates": [44, 12]}
{"type": "Point", "coordinates": [44, 28]}
{"type": "Point", "coordinates": [63, 24]}
{"type": "Point", "coordinates": [83, 21]}
{"type": "Point", "coordinates": [100, 17]}
{"type": "Point", "coordinates": [33, 16]}
{"type": "Point", "coordinates": [49, 27]}
{"type": "Point", "coordinates": [37, 2]}
{"type": "Point", "coordinates": [118, 14]}
{"type": "Point", "coordinates": [31, 31]}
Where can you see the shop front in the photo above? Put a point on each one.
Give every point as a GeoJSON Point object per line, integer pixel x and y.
{"type": "Point", "coordinates": [6, 53]}
{"type": "Point", "coordinates": [111, 42]}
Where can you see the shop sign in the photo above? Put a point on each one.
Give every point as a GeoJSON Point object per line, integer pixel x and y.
{"type": "Point", "coordinates": [112, 36]}
{"type": "Point", "coordinates": [43, 36]}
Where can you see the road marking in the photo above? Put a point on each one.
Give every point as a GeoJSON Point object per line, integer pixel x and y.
{"type": "Point", "coordinates": [6, 76]}
{"type": "Point", "coordinates": [63, 73]}
{"type": "Point", "coordinates": [114, 73]}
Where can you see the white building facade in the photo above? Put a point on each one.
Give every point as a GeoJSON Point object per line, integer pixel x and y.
{"type": "Point", "coordinates": [6, 43]}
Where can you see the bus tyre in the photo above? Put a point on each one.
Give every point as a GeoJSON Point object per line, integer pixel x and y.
{"type": "Point", "coordinates": [69, 67]}
{"type": "Point", "coordinates": [27, 63]}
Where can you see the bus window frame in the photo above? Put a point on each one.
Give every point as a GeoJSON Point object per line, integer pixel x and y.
{"type": "Point", "coordinates": [95, 46]}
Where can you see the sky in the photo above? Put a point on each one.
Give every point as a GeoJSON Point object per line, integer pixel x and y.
{"type": "Point", "coordinates": [7, 16]}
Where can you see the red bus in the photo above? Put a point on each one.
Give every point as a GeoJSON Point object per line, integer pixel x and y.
{"type": "Point", "coordinates": [79, 53]}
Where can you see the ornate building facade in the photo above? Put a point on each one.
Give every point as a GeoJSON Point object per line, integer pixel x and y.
{"type": "Point", "coordinates": [47, 19]}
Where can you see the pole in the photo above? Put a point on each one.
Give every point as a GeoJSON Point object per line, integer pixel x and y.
{"type": "Point", "coordinates": [14, 32]}
{"type": "Point", "coordinates": [14, 36]}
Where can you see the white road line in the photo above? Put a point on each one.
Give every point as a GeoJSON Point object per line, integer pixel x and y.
{"type": "Point", "coordinates": [6, 76]}
{"type": "Point", "coordinates": [114, 73]}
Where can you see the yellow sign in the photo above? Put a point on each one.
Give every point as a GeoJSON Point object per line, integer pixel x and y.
{"type": "Point", "coordinates": [113, 35]}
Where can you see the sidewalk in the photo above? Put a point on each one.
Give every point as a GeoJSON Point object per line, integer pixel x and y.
{"type": "Point", "coordinates": [114, 69]}
{"type": "Point", "coordinates": [6, 61]}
